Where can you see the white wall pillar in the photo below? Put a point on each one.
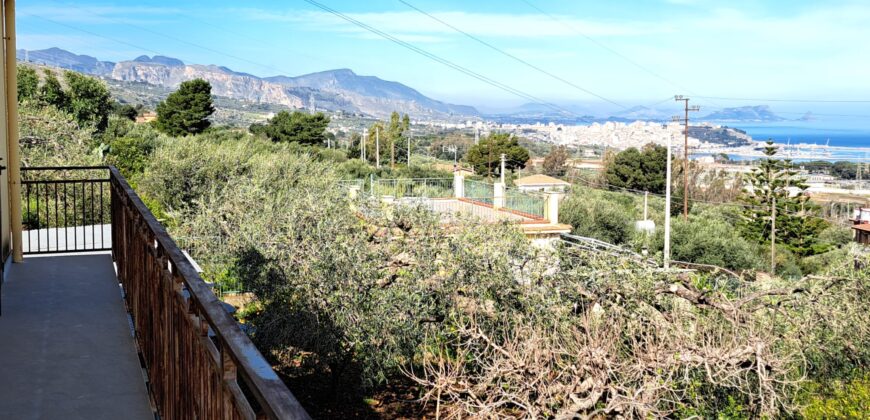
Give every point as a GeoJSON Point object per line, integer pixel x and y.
{"type": "Point", "coordinates": [458, 185]}
{"type": "Point", "coordinates": [498, 195]}
{"type": "Point", "coordinates": [551, 207]}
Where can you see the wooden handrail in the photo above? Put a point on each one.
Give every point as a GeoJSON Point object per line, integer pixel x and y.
{"type": "Point", "coordinates": [195, 353]}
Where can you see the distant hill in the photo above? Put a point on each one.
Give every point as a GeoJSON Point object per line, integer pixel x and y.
{"type": "Point", "coordinates": [758, 113]}
{"type": "Point", "coordinates": [333, 90]}
{"type": "Point", "coordinates": [56, 57]}
{"type": "Point", "coordinates": [642, 113]}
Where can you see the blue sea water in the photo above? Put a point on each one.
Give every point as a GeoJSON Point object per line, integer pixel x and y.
{"type": "Point", "coordinates": [849, 139]}
{"type": "Point", "coordinates": [841, 135]}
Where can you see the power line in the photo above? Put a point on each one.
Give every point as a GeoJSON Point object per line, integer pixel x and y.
{"type": "Point", "coordinates": [511, 56]}
{"type": "Point", "coordinates": [438, 59]}
{"type": "Point", "coordinates": [602, 45]}
{"type": "Point", "coordinates": [91, 33]}
{"type": "Point", "coordinates": [176, 39]}
{"type": "Point", "coordinates": [832, 101]}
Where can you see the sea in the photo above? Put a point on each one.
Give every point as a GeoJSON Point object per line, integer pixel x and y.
{"type": "Point", "coordinates": [846, 139]}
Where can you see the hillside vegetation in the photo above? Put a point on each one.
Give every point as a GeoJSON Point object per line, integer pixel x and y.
{"type": "Point", "coordinates": [367, 310]}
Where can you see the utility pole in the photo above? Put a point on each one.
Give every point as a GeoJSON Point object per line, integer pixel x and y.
{"type": "Point", "coordinates": [377, 147]}
{"type": "Point", "coordinates": [392, 153]}
{"type": "Point", "coordinates": [693, 108]}
{"type": "Point", "coordinates": [667, 250]}
{"type": "Point", "coordinates": [409, 150]}
{"type": "Point", "coordinates": [773, 233]}
{"type": "Point", "coordinates": [502, 168]}
{"type": "Point", "coordinates": [363, 139]}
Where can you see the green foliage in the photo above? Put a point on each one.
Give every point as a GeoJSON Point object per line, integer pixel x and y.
{"type": "Point", "coordinates": [52, 93]}
{"type": "Point", "coordinates": [187, 169]}
{"type": "Point", "coordinates": [384, 138]}
{"type": "Point", "coordinates": [707, 238]}
{"type": "Point", "coordinates": [640, 170]}
{"type": "Point", "coordinates": [296, 127]}
{"type": "Point", "coordinates": [595, 214]}
{"type": "Point", "coordinates": [130, 155]}
{"type": "Point", "coordinates": [770, 186]}
{"type": "Point", "coordinates": [485, 157]}
{"type": "Point", "coordinates": [51, 137]}
{"type": "Point", "coordinates": [89, 99]}
{"type": "Point", "coordinates": [28, 83]}
{"type": "Point", "coordinates": [839, 400]}
{"type": "Point", "coordinates": [186, 111]}
{"type": "Point", "coordinates": [126, 111]}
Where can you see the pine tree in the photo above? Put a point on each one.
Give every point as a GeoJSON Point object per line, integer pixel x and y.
{"type": "Point", "coordinates": [186, 110]}
{"type": "Point", "coordinates": [774, 184]}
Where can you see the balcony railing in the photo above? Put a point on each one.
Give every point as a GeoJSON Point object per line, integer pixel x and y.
{"type": "Point", "coordinates": [65, 209]}
{"type": "Point", "coordinates": [199, 362]}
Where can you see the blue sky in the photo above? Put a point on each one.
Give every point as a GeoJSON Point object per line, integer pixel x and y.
{"type": "Point", "coordinates": [630, 52]}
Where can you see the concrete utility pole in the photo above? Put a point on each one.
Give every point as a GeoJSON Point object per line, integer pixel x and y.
{"type": "Point", "coordinates": [693, 108]}
{"type": "Point", "coordinates": [392, 153]}
{"type": "Point", "coordinates": [409, 150]}
{"type": "Point", "coordinates": [502, 167]}
{"type": "Point", "coordinates": [667, 250]}
{"type": "Point", "coordinates": [377, 147]}
{"type": "Point", "coordinates": [363, 139]}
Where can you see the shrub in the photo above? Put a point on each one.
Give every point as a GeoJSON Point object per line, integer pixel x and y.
{"type": "Point", "coordinates": [597, 215]}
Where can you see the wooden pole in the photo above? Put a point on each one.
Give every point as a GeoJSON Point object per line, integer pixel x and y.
{"type": "Point", "coordinates": [14, 164]}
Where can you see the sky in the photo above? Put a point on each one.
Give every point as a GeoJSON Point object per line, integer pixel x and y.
{"type": "Point", "coordinates": [588, 54]}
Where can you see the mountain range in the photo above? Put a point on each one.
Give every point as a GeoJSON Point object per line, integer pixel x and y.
{"type": "Point", "coordinates": [758, 113]}
{"type": "Point", "coordinates": [332, 90]}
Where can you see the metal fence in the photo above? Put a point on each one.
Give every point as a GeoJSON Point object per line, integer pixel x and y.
{"type": "Point", "coordinates": [527, 203]}
{"type": "Point", "coordinates": [479, 191]}
{"type": "Point", "coordinates": [66, 209]}
{"type": "Point", "coordinates": [413, 187]}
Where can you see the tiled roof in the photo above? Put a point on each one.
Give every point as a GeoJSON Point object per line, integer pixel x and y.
{"type": "Point", "coordinates": [539, 180]}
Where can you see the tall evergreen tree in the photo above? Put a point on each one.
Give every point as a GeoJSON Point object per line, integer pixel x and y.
{"type": "Point", "coordinates": [186, 110]}
{"type": "Point", "coordinates": [297, 127]}
{"type": "Point", "coordinates": [774, 184]}
{"type": "Point", "coordinates": [485, 156]}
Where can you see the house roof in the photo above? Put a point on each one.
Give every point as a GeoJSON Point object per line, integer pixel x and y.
{"type": "Point", "coordinates": [865, 227]}
{"type": "Point", "coordinates": [539, 180]}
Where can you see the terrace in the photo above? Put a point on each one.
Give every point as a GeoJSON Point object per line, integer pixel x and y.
{"type": "Point", "coordinates": [105, 317]}
{"type": "Point", "coordinates": [535, 213]}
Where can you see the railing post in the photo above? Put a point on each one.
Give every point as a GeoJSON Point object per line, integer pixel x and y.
{"type": "Point", "coordinates": [458, 185]}
{"type": "Point", "coordinates": [551, 207]}
{"type": "Point", "coordinates": [498, 195]}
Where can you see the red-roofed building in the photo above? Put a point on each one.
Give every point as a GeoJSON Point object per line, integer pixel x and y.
{"type": "Point", "coordinates": [862, 233]}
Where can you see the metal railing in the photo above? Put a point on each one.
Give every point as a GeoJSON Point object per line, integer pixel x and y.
{"type": "Point", "coordinates": [199, 362]}
{"type": "Point", "coordinates": [526, 203]}
{"type": "Point", "coordinates": [480, 191]}
{"type": "Point", "coordinates": [65, 209]}
{"type": "Point", "coordinates": [413, 187]}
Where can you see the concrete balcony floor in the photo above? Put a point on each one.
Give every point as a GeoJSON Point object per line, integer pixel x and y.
{"type": "Point", "coordinates": [66, 350]}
